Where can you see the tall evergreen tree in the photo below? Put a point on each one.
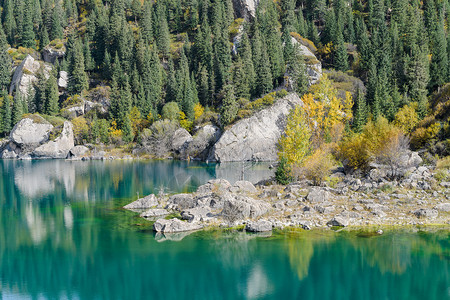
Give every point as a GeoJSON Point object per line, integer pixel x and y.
{"type": "Point", "coordinates": [78, 80]}
{"type": "Point", "coordinates": [27, 35]}
{"type": "Point", "coordinates": [229, 107]}
{"type": "Point", "coordinates": [52, 96]}
{"type": "Point", "coordinates": [9, 21]}
{"type": "Point", "coordinates": [5, 62]}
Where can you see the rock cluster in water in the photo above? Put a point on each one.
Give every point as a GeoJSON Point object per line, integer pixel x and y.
{"type": "Point", "coordinates": [353, 202]}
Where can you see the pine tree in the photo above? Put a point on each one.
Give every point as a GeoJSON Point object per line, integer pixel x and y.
{"type": "Point", "coordinates": [360, 112]}
{"type": "Point", "coordinates": [89, 63]}
{"type": "Point", "coordinates": [297, 71]}
{"type": "Point", "coordinates": [203, 86]}
{"type": "Point", "coordinates": [263, 82]}
{"type": "Point", "coordinates": [341, 57]}
{"type": "Point", "coordinates": [163, 37]}
{"type": "Point", "coordinates": [27, 35]}
{"type": "Point", "coordinates": [5, 62]}
{"type": "Point", "coordinates": [439, 59]}
{"type": "Point", "coordinates": [9, 21]}
{"type": "Point", "coordinates": [6, 113]}
{"type": "Point", "coordinates": [146, 22]}
{"type": "Point", "coordinates": [242, 90]}
{"type": "Point", "coordinates": [78, 80]}
{"type": "Point", "coordinates": [52, 96]}
{"type": "Point", "coordinates": [56, 31]}
{"type": "Point", "coordinates": [17, 110]}
{"type": "Point", "coordinates": [229, 107]}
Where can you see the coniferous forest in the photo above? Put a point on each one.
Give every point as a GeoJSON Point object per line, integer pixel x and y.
{"type": "Point", "coordinates": [193, 61]}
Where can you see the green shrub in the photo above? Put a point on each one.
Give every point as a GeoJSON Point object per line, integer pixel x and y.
{"type": "Point", "coordinates": [283, 172]}
{"type": "Point", "coordinates": [171, 111]}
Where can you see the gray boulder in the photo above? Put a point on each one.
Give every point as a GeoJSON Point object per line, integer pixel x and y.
{"type": "Point", "coordinates": [180, 141]}
{"type": "Point", "coordinates": [240, 207]}
{"type": "Point", "coordinates": [313, 65]}
{"type": "Point", "coordinates": [63, 80]}
{"type": "Point", "coordinates": [50, 54]}
{"type": "Point", "coordinates": [445, 207]}
{"type": "Point", "coordinates": [181, 202]}
{"type": "Point", "coordinates": [78, 151]}
{"type": "Point", "coordinates": [214, 186]}
{"type": "Point", "coordinates": [243, 186]}
{"type": "Point", "coordinates": [426, 213]}
{"type": "Point", "coordinates": [30, 133]}
{"type": "Point", "coordinates": [202, 141]}
{"type": "Point", "coordinates": [174, 225]}
{"type": "Point", "coordinates": [143, 203]}
{"type": "Point", "coordinates": [318, 195]}
{"type": "Point", "coordinates": [10, 151]}
{"type": "Point", "coordinates": [259, 226]}
{"type": "Point", "coordinates": [255, 138]}
{"type": "Point", "coordinates": [338, 221]}
{"type": "Point", "coordinates": [196, 214]}
{"type": "Point", "coordinates": [60, 147]}
{"type": "Point", "coordinates": [154, 212]}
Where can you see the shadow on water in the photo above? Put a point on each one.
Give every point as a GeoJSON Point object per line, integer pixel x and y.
{"type": "Point", "coordinates": [63, 235]}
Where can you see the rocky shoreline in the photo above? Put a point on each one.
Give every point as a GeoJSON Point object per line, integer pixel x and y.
{"type": "Point", "coordinates": [260, 208]}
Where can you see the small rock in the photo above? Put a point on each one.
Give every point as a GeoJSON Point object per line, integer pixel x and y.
{"type": "Point", "coordinates": [380, 232]}
{"type": "Point", "coordinates": [154, 212]}
{"type": "Point", "coordinates": [426, 213]}
{"type": "Point", "coordinates": [445, 207]}
{"type": "Point", "coordinates": [259, 226]}
{"type": "Point", "coordinates": [214, 186]}
{"type": "Point", "coordinates": [317, 195]}
{"type": "Point", "coordinates": [196, 214]}
{"type": "Point", "coordinates": [244, 187]}
{"type": "Point", "coordinates": [143, 203]}
{"type": "Point", "coordinates": [174, 225]}
{"type": "Point", "coordinates": [181, 201]}
{"type": "Point", "coordinates": [338, 221]}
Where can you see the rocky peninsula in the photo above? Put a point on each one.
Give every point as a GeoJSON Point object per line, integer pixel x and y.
{"type": "Point", "coordinates": [417, 199]}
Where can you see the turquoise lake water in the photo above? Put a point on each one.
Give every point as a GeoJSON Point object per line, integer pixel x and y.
{"type": "Point", "coordinates": [63, 235]}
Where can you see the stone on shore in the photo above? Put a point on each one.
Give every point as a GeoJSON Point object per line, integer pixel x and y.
{"type": "Point", "coordinates": [426, 213]}
{"type": "Point", "coordinates": [196, 214]}
{"type": "Point", "coordinates": [143, 203]}
{"type": "Point", "coordinates": [259, 226]}
{"type": "Point", "coordinates": [60, 147]}
{"type": "Point", "coordinates": [174, 225]}
{"type": "Point", "coordinates": [154, 212]}
{"type": "Point", "coordinates": [338, 221]}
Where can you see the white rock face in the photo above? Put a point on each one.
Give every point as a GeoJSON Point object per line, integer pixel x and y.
{"type": "Point", "coordinates": [245, 9]}
{"type": "Point", "coordinates": [60, 147]}
{"type": "Point", "coordinates": [63, 80]}
{"type": "Point", "coordinates": [255, 138]}
{"type": "Point", "coordinates": [50, 54]}
{"type": "Point", "coordinates": [29, 132]}
{"type": "Point", "coordinates": [313, 65]}
{"type": "Point", "coordinates": [25, 76]}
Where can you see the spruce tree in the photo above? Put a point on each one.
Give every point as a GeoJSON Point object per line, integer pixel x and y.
{"type": "Point", "coordinates": [9, 21]}
{"type": "Point", "coordinates": [27, 34]}
{"type": "Point", "coordinates": [146, 22]}
{"type": "Point", "coordinates": [17, 110]}
{"type": "Point", "coordinates": [439, 58]}
{"type": "Point", "coordinates": [5, 62]}
{"type": "Point", "coordinates": [242, 90]}
{"type": "Point", "coordinates": [360, 111]}
{"type": "Point", "coordinates": [56, 31]}
{"type": "Point", "coordinates": [341, 57]}
{"type": "Point", "coordinates": [78, 80]}
{"type": "Point", "coordinates": [52, 96]}
{"type": "Point", "coordinates": [297, 72]}
{"type": "Point", "coordinates": [229, 107]}
{"type": "Point", "coordinates": [6, 113]}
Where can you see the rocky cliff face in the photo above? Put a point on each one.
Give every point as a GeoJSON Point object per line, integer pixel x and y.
{"type": "Point", "coordinates": [25, 75]}
{"type": "Point", "coordinates": [245, 9]}
{"type": "Point", "coordinates": [255, 138]}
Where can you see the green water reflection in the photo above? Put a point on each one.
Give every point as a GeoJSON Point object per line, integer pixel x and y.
{"type": "Point", "coordinates": [64, 236]}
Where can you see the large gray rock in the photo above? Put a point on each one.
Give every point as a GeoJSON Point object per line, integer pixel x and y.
{"type": "Point", "coordinates": [143, 203]}
{"type": "Point", "coordinates": [63, 80]}
{"type": "Point", "coordinates": [180, 141]}
{"type": "Point", "coordinates": [255, 138]}
{"type": "Point", "coordinates": [181, 202]}
{"type": "Point", "coordinates": [214, 186]}
{"type": "Point", "coordinates": [50, 54]}
{"type": "Point", "coordinates": [174, 225]}
{"type": "Point", "coordinates": [240, 208]}
{"type": "Point", "coordinates": [196, 214]}
{"type": "Point", "coordinates": [259, 226]}
{"type": "Point", "coordinates": [318, 195]}
{"type": "Point", "coordinates": [243, 186]}
{"type": "Point", "coordinates": [60, 147]}
{"type": "Point", "coordinates": [338, 221]}
{"type": "Point", "coordinates": [31, 132]}
{"type": "Point", "coordinates": [25, 76]}
{"type": "Point", "coordinates": [203, 140]}
{"type": "Point", "coordinates": [78, 151]}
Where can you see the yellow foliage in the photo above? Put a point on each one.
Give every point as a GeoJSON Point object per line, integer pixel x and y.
{"type": "Point", "coordinates": [80, 129]}
{"type": "Point", "coordinates": [379, 135]}
{"type": "Point", "coordinates": [295, 144]}
{"type": "Point", "coordinates": [185, 123]}
{"type": "Point", "coordinates": [198, 111]}
{"type": "Point", "coordinates": [317, 166]}
{"type": "Point", "coordinates": [422, 135]}
{"type": "Point", "coordinates": [352, 150]}
{"type": "Point", "coordinates": [136, 121]}
{"type": "Point", "coordinates": [114, 131]}
{"type": "Point", "coordinates": [407, 118]}
{"type": "Point", "coordinates": [324, 110]}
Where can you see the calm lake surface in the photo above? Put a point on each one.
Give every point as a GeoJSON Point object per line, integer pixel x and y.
{"type": "Point", "coordinates": [63, 235]}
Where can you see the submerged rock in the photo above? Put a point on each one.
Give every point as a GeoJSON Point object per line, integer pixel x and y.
{"type": "Point", "coordinates": [174, 225]}
{"type": "Point", "coordinates": [143, 203]}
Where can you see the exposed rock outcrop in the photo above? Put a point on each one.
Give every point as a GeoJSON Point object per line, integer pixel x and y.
{"type": "Point", "coordinates": [259, 226]}
{"type": "Point", "coordinates": [143, 203]}
{"type": "Point", "coordinates": [78, 151]}
{"type": "Point", "coordinates": [25, 76]}
{"type": "Point", "coordinates": [203, 140]}
{"type": "Point", "coordinates": [255, 138]}
{"type": "Point", "coordinates": [60, 147]}
{"type": "Point", "coordinates": [31, 132]}
{"type": "Point", "coordinates": [245, 9]}
{"type": "Point", "coordinates": [50, 54]}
